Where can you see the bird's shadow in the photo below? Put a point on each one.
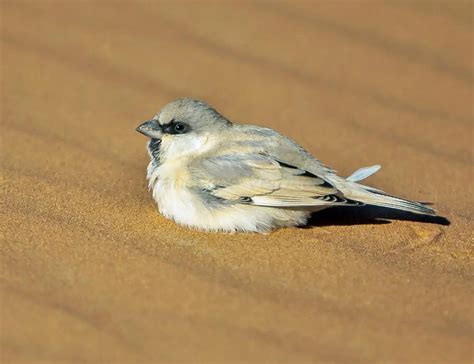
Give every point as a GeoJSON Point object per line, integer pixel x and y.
{"type": "Point", "coordinates": [368, 215]}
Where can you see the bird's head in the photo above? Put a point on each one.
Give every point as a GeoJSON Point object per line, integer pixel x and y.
{"type": "Point", "coordinates": [182, 126]}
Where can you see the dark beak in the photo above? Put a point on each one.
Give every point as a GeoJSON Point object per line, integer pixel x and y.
{"type": "Point", "coordinates": [150, 128]}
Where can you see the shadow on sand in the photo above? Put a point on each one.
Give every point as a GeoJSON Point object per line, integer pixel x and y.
{"type": "Point", "coordinates": [368, 215]}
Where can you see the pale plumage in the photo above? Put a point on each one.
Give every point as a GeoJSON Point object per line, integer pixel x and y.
{"type": "Point", "coordinates": [211, 174]}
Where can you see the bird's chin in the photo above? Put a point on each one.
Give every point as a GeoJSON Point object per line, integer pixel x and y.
{"type": "Point", "coordinates": [154, 147]}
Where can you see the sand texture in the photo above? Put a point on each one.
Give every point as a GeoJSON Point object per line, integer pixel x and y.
{"type": "Point", "coordinates": [90, 271]}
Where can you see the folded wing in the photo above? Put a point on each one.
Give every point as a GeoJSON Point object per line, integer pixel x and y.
{"type": "Point", "coordinates": [264, 181]}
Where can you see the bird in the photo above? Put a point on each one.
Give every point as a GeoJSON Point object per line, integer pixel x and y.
{"type": "Point", "coordinates": [211, 174]}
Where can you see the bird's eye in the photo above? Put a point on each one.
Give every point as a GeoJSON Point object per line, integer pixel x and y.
{"type": "Point", "coordinates": [178, 127]}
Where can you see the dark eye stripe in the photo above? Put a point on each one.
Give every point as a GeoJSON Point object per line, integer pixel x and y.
{"type": "Point", "coordinates": [176, 127]}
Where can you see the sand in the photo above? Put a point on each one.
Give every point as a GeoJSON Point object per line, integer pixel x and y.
{"type": "Point", "coordinates": [92, 273]}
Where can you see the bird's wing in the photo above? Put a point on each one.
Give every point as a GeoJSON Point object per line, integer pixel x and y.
{"type": "Point", "coordinates": [258, 179]}
{"type": "Point", "coordinates": [270, 142]}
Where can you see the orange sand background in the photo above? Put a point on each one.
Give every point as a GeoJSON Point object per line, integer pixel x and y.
{"type": "Point", "coordinates": [92, 273]}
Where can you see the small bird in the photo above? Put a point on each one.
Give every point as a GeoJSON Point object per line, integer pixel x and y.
{"type": "Point", "coordinates": [211, 174]}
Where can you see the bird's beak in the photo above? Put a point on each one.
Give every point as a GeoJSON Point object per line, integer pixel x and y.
{"type": "Point", "coordinates": [151, 129]}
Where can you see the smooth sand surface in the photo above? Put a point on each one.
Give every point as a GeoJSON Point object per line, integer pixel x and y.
{"type": "Point", "coordinates": [92, 273]}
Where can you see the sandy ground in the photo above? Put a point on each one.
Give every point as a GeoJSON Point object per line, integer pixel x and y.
{"type": "Point", "coordinates": [92, 273]}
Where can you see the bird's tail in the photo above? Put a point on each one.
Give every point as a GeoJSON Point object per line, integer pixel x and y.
{"type": "Point", "coordinates": [363, 173]}
{"type": "Point", "coordinates": [373, 196]}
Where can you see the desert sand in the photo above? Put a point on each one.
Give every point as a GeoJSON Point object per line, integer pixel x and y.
{"type": "Point", "coordinates": [92, 273]}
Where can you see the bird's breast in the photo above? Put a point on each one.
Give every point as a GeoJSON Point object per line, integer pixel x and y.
{"type": "Point", "coordinates": [170, 183]}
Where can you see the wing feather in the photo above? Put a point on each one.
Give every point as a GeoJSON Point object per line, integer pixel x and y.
{"type": "Point", "coordinates": [261, 180]}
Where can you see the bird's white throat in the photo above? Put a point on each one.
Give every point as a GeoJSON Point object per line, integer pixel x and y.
{"type": "Point", "coordinates": [183, 146]}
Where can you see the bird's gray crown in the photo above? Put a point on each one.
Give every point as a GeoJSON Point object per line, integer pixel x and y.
{"type": "Point", "coordinates": [199, 115]}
